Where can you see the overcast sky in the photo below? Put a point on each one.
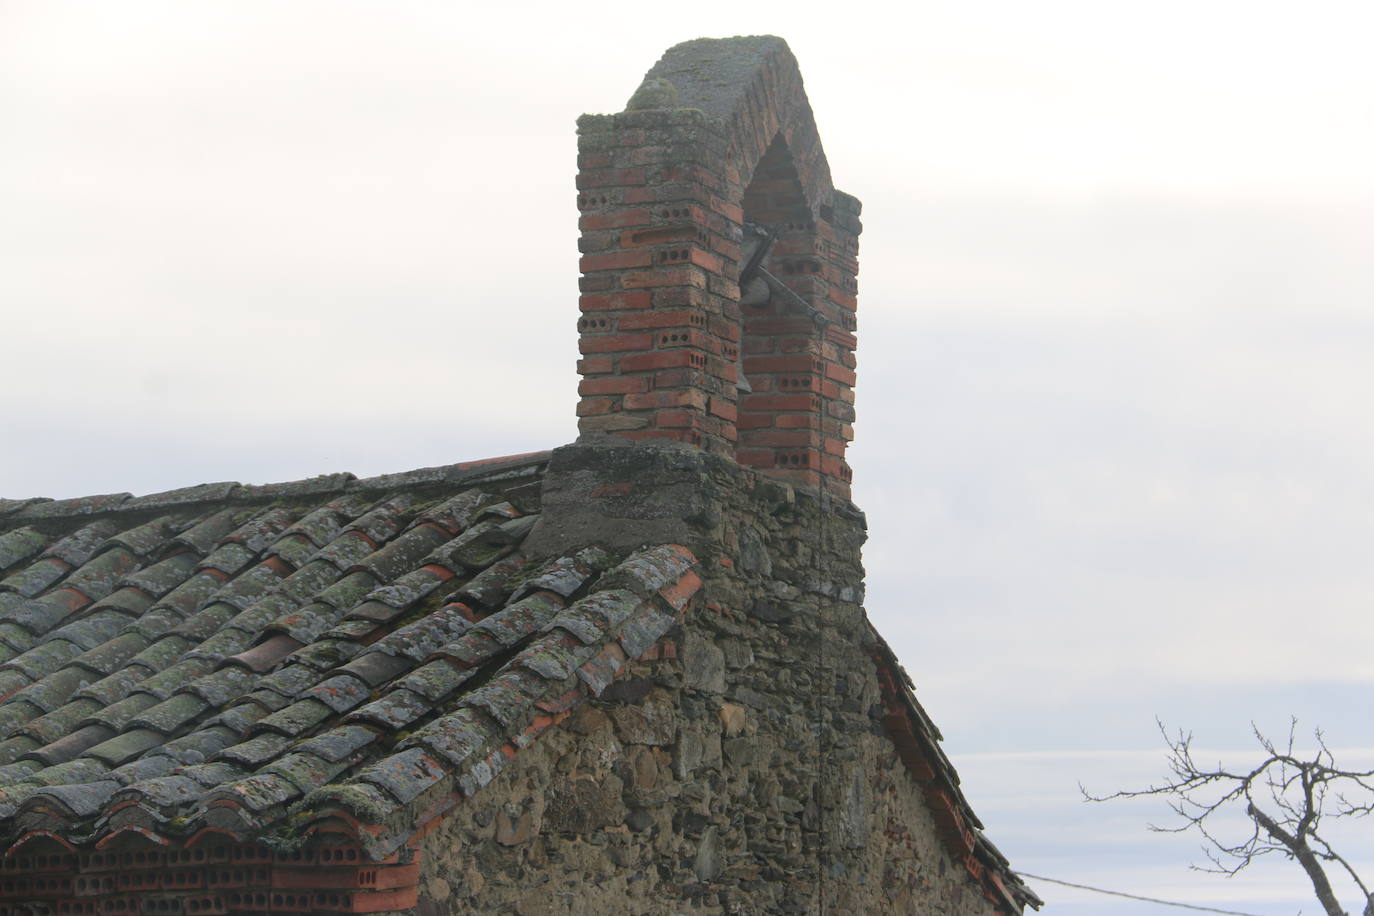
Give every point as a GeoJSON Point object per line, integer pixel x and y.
{"type": "Point", "coordinates": [1116, 319]}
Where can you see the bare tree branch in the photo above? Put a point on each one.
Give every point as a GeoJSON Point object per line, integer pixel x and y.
{"type": "Point", "coordinates": [1285, 797]}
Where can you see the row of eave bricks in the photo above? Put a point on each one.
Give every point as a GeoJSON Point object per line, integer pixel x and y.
{"type": "Point", "coordinates": [214, 903]}
{"type": "Point", "coordinates": [361, 878]}
{"type": "Point", "coordinates": [207, 879]}
{"type": "Point", "coordinates": [944, 806]}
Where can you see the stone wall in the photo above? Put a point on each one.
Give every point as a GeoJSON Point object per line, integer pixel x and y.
{"type": "Point", "coordinates": [741, 767]}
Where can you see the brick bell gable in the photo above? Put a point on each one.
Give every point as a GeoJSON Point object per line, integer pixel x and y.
{"type": "Point", "coordinates": [715, 174]}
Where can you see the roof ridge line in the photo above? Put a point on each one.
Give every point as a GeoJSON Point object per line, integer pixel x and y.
{"type": "Point", "coordinates": [476, 471]}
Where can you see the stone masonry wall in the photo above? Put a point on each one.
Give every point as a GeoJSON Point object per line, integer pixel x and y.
{"type": "Point", "coordinates": [740, 767]}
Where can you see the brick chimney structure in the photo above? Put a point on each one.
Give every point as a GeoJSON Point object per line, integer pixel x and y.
{"type": "Point", "coordinates": [718, 266]}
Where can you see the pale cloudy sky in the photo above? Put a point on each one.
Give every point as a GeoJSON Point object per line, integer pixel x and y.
{"type": "Point", "coordinates": [1116, 320]}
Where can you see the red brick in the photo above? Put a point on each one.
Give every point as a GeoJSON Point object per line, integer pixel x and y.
{"type": "Point", "coordinates": [678, 297]}
{"type": "Point", "coordinates": [747, 421]}
{"type": "Point", "coordinates": [599, 159]}
{"type": "Point", "coordinates": [761, 384]}
{"type": "Point", "coordinates": [722, 286]}
{"type": "Point", "coordinates": [669, 419]}
{"type": "Point", "coordinates": [707, 260]}
{"type": "Point", "coordinates": [687, 337]}
{"type": "Point", "coordinates": [802, 363]}
{"type": "Point", "coordinates": [590, 407]}
{"type": "Point", "coordinates": [847, 301]}
{"type": "Point", "coordinates": [659, 319]}
{"type": "Point", "coordinates": [402, 898]}
{"type": "Point", "coordinates": [803, 476]}
{"type": "Point", "coordinates": [683, 193]}
{"type": "Point", "coordinates": [595, 365]}
{"type": "Point", "coordinates": [664, 276]}
{"type": "Point", "coordinates": [840, 374]}
{"type": "Point", "coordinates": [725, 247]}
{"type": "Point", "coordinates": [596, 302]}
{"type": "Point", "coordinates": [677, 593]}
{"type": "Point", "coordinates": [592, 242]}
{"type": "Point", "coordinates": [777, 327]}
{"type": "Point", "coordinates": [723, 409]}
{"type": "Point", "coordinates": [724, 328]}
{"type": "Point", "coordinates": [663, 359]}
{"type": "Point", "coordinates": [685, 397]}
{"type": "Point", "coordinates": [795, 420]}
{"type": "Point", "coordinates": [615, 260]}
{"type": "Point", "coordinates": [805, 402]}
{"type": "Point", "coordinates": [613, 343]}
{"type": "Point", "coordinates": [610, 178]}
{"type": "Point", "coordinates": [595, 283]}
{"type": "Point", "coordinates": [784, 438]}
{"type": "Point", "coordinates": [677, 233]}
{"type": "Point", "coordinates": [643, 155]}
{"type": "Point", "coordinates": [681, 378]}
{"type": "Point", "coordinates": [614, 384]}
{"type": "Point", "coordinates": [727, 210]}
{"type": "Point", "coordinates": [755, 457]}
{"type": "Point", "coordinates": [614, 219]}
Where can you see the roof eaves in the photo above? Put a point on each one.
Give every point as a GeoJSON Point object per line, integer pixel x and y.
{"type": "Point", "coordinates": [917, 741]}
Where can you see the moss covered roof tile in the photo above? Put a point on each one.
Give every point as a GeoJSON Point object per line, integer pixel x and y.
{"type": "Point", "coordinates": [258, 649]}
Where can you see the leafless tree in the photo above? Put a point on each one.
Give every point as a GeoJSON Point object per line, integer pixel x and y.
{"type": "Point", "coordinates": [1287, 797]}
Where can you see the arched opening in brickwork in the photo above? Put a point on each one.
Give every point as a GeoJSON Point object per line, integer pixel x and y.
{"type": "Point", "coordinates": [781, 373]}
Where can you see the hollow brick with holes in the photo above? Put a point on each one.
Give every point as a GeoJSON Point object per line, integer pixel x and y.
{"type": "Point", "coordinates": [689, 337]}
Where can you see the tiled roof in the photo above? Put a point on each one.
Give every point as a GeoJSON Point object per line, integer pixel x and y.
{"type": "Point", "coordinates": [208, 677]}
{"type": "Point", "coordinates": [917, 739]}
